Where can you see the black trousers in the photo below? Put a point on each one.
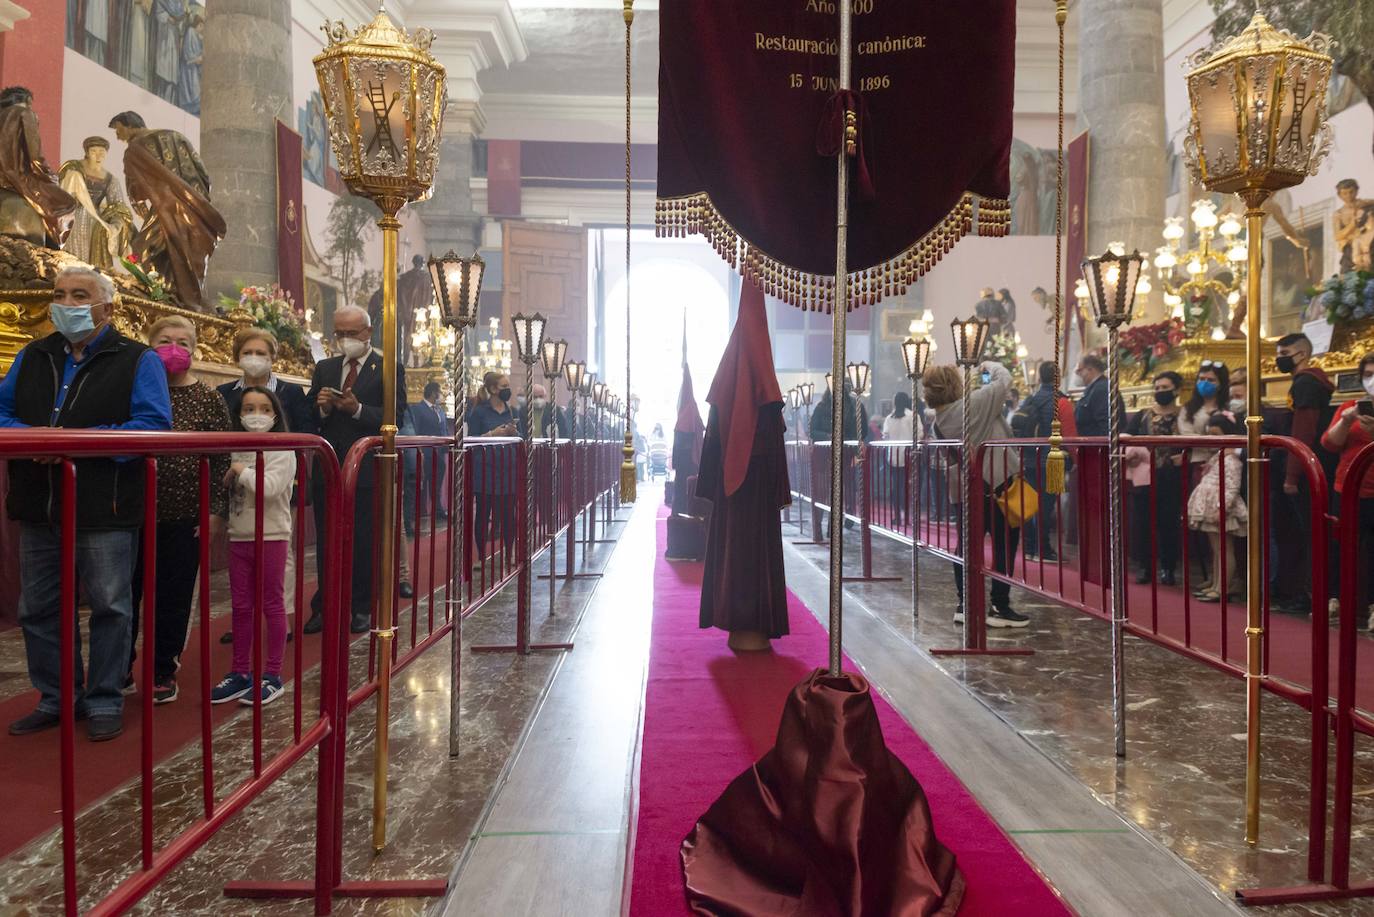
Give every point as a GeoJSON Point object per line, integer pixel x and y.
{"type": "Point", "coordinates": [494, 510]}
{"type": "Point", "coordinates": [1004, 544]}
{"type": "Point", "coordinates": [178, 562]}
{"type": "Point", "coordinates": [364, 555]}
{"type": "Point", "coordinates": [1166, 530]}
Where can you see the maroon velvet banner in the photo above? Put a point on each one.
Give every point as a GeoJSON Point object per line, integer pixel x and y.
{"type": "Point", "coordinates": [290, 215]}
{"type": "Point", "coordinates": [750, 121]}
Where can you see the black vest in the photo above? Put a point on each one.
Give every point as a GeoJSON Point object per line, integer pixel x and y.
{"type": "Point", "coordinates": [109, 494]}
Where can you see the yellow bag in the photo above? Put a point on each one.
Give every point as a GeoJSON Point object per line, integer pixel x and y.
{"type": "Point", "coordinates": [1018, 501]}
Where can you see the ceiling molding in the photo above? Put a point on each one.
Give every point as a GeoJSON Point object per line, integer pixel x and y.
{"type": "Point", "coordinates": [10, 13]}
{"type": "Point", "coordinates": [580, 119]}
{"type": "Point", "coordinates": [574, 206]}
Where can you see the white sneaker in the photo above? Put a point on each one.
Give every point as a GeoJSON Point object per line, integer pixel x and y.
{"type": "Point", "coordinates": [959, 615]}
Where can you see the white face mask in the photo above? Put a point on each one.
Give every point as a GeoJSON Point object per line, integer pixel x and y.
{"type": "Point", "coordinates": [254, 365]}
{"type": "Point", "coordinates": [353, 348]}
{"type": "Point", "coordinates": [257, 423]}
{"type": "Point", "coordinates": [539, 404]}
{"type": "Point", "coordinates": [1368, 383]}
{"type": "Point", "coordinates": [1237, 406]}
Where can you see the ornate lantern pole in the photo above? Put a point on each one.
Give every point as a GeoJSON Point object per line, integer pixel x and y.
{"type": "Point", "coordinates": [794, 402]}
{"type": "Point", "coordinates": [1258, 125]}
{"type": "Point", "coordinates": [970, 336]}
{"type": "Point", "coordinates": [591, 435]}
{"type": "Point", "coordinates": [573, 371]}
{"type": "Point", "coordinates": [1111, 280]}
{"type": "Point", "coordinates": [916, 357]}
{"type": "Point", "coordinates": [529, 343]}
{"type": "Point", "coordinates": [551, 355]}
{"type": "Point", "coordinates": [457, 289]}
{"type": "Point", "coordinates": [627, 467]}
{"type": "Point", "coordinates": [384, 96]}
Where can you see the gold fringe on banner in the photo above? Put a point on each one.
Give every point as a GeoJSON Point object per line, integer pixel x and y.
{"type": "Point", "coordinates": [695, 214]}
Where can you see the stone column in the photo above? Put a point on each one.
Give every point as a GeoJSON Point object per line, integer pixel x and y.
{"type": "Point", "coordinates": [1121, 104]}
{"type": "Point", "coordinates": [449, 218]}
{"type": "Point", "coordinates": [246, 87]}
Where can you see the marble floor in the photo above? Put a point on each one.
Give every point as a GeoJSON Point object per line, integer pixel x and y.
{"type": "Point", "coordinates": [534, 816]}
{"type": "Point", "coordinates": [435, 801]}
{"type": "Point", "coordinates": [1182, 780]}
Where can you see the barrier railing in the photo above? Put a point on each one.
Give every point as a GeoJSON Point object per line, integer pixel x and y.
{"type": "Point", "coordinates": [1353, 527]}
{"type": "Point", "coordinates": [1161, 533]}
{"type": "Point", "coordinates": [62, 451]}
{"type": "Point", "coordinates": [432, 562]}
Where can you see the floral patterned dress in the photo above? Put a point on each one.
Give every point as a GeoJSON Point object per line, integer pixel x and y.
{"type": "Point", "coordinates": [1204, 503]}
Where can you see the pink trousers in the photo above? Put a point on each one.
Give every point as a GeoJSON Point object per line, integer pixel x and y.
{"type": "Point", "coordinates": [243, 593]}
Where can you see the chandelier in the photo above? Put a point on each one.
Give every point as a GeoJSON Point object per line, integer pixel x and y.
{"type": "Point", "coordinates": [431, 341]}
{"type": "Point", "coordinates": [920, 328]}
{"type": "Point", "coordinates": [1215, 265]}
{"type": "Point", "coordinates": [493, 355]}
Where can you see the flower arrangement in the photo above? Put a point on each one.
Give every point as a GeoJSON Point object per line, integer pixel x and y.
{"type": "Point", "coordinates": [273, 309]}
{"type": "Point", "coordinates": [1146, 345]}
{"type": "Point", "coordinates": [148, 277]}
{"type": "Point", "coordinates": [1345, 297]}
{"type": "Point", "coordinates": [1001, 348]}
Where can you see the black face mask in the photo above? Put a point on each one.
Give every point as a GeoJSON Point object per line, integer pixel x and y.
{"type": "Point", "coordinates": [1164, 399]}
{"type": "Point", "coordinates": [504, 394]}
{"type": "Point", "coordinates": [1286, 364]}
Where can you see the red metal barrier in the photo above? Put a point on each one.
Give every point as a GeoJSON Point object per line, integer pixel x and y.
{"type": "Point", "coordinates": [62, 446]}
{"type": "Point", "coordinates": [437, 562]}
{"type": "Point", "coordinates": [1047, 570]}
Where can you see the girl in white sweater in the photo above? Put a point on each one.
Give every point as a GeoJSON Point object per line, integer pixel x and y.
{"type": "Point", "coordinates": [259, 412]}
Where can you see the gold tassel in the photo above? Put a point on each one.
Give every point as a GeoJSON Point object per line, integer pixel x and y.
{"type": "Point", "coordinates": [1055, 462]}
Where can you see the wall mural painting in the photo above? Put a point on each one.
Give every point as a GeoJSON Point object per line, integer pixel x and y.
{"type": "Point", "coordinates": [155, 44]}
{"type": "Point", "coordinates": [314, 145]}
{"type": "Point", "coordinates": [1033, 173]}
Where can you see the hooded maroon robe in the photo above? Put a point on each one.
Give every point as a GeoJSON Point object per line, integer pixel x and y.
{"type": "Point", "coordinates": [687, 433]}
{"type": "Point", "coordinates": [744, 474]}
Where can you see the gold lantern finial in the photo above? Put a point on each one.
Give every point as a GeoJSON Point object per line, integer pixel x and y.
{"type": "Point", "coordinates": [1258, 109]}
{"type": "Point", "coordinates": [384, 96]}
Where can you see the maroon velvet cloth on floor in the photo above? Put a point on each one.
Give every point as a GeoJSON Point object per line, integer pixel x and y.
{"type": "Point", "coordinates": [744, 587]}
{"type": "Point", "coordinates": [828, 822]}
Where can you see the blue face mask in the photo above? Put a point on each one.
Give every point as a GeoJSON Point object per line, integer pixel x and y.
{"type": "Point", "coordinates": [74, 322]}
{"type": "Point", "coordinates": [1206, 388]}
{"type": "Point", "coordinates": [985, 377]}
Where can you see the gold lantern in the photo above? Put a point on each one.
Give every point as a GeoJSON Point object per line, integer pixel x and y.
{"type": "Point", "coordinates": [1258, 105]}
{"type": "Point", "coordinates": [384, 97]}
{"type": "Point", "coordinates": [858, 378]}
{"type": "Point", "coordinates": [916, 357]}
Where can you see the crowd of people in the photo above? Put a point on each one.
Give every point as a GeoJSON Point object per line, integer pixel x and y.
{"type": "Point", "coordinates": [87, 374]}
{"type": "Point", "coordinates": [1197, 493]}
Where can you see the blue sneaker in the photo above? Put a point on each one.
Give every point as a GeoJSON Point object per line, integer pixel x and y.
{"type": "Point", "coordinates": [231, 687]}
{"type": "Point", "coordinates": [271, 690]}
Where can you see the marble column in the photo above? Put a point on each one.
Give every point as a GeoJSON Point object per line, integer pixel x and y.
{"type": "Point", "coordinates": [1121, 103]}
{"type": "Point", "coordinates": [246, 87]}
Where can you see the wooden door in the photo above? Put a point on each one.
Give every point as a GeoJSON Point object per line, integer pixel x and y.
{"type": "Point", "coordinates": [545, 271]}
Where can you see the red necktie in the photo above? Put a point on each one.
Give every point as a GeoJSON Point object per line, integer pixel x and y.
{"type": "Point", "coordinates": [352, 376]}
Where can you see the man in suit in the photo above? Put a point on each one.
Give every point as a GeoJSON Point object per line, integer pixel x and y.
{"type": "Point", "coordinates": [427, 419]}
{"type": "Point", "coordinates": [347, 394]}
{"type": "Point", "coordinates": [1090, 414]}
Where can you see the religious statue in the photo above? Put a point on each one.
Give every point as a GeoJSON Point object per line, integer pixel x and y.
{"type": "Point", "coordinates": [33, 205]}
{"type": "Point", "coordinates": [414, 290]}
{"type": "Point", "coordinates": [170, 190]}
{"type": "Point", "coordinates": [104, 222]}
{"type": "Point", "coordinates": [1353, 226]}
{"type": "Point", "coordinates": [989, 307]}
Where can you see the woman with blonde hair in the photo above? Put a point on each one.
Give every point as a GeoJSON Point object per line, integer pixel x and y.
{"type": "Point", "coordinates": [255, 350]}
{"type": "Point", "coordinates": [195, 408]}
{"type": "Point", "coordinates": [944, 392]}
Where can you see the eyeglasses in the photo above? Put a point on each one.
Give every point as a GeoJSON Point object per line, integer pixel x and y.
{"type": "Point", "coordinates": [361, 334]}
{"type": "Point", "coordinates": [1211, 364]}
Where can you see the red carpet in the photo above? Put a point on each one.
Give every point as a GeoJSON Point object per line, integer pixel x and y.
{"type": "Point", "coordinates": [709, 714]}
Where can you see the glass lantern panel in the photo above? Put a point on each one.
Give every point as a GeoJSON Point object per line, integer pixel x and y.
{"type": "Point", "coordinates": [382, 88]}
{"type": "Point", "coordinates": [338, 110]}
{"type": "Point", "coordinates": [1304, 99]}
{"type": "Point", "coordinates": [1260, 104]}
{"type": "Point", "coordinates": [1213, 97]}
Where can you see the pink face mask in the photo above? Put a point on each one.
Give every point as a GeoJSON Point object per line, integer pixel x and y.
{"type": "Point", "coordinates": [174, 358]}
